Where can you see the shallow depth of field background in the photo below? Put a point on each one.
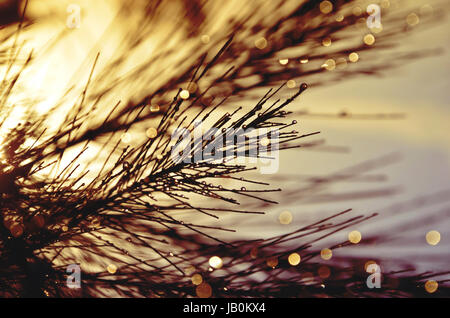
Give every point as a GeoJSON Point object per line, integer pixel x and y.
{"type": "Point", "coordinates": [421, 141]}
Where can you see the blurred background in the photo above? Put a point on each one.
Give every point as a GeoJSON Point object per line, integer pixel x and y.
{"type": "Point", "coordinates": [397, 120]}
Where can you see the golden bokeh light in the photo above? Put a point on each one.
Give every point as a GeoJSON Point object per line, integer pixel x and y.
{"type": "Point", "coordinates": [294, 259]}
{"type": "Point", "coordinates": [215, 262]}
{"type": "Point", "coordinates": [111, 268]}
{"type": "Point", "coordinates": [326, 254]}
{"type": "Point", "coordinates": [261, 43]}
{"type": "Point", "coordinates": [329, 64]}
{"type": "Point", "coordinates": [354, 237]}
{"type": "Point", "coordinates": [353, 57]}
{"type": "Point", "coordinates": [328, 13]}
{"type": "Point", "coordinates": [433, 237]}
{"type": "Point", "coordinates": [412, 19]}
{"type": "Point", "coordinates": [369, 39]}
{"type": "Point", "coordinates": [203, 290]}
{"type": "Point", "coordinates": [184, 94]}
{"type": "Point", "coordinates": [431, 286]}
{"type": "Point", "coordinates": [272, 262]}
{"type": "Point", "coordinates": [151, 133]}
{"type": "Point", "coordinates": [197, 279]}
{"type": "Point", "coordinates": [326, 7]}
{"type": "Point", "coordinates": [285, 217]}
{"type": "Point", "coordinates": [326, 41]}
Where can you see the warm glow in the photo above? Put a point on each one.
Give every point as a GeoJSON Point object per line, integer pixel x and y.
{"type": "Point", "coordinates": [369, 39]}
{"type": "Point", "coordinates": [285, 217]}
{"type": "Point", "coordinates": [184, 94]}
{"type": "Point", "coordinates": [431, 286]}
{"type": "Point", "coordinates": [433, 237]}
{"type": "Point", "coordinates": [264, 141]}
{"type": "Point", "coordinates": [294, 259]}
{"type": "Point", "coordinates": [304, 60]}
{"type": "Point", "coordinates": [261, 43]}
{"type": "Point", "coordinates": [412, 19]}
{"type": "Point", "coordinates": [357, 11]}
{"type": "Point", "coordinates": [111, 268]}
{"type": "Point", "coordinates": [151, 133]}
{"type": "Point", "coordinates": [326, 42]}
{"type": "Point", "coordinates": [326, 254]}
{"type": "Point", "coordinates": [197, 279]}
{"type": "Point", "coordinates": [326, 7]}
{"type": "Point", "coordinates": [215, 262]}
{"type": "Point", "coordinates": [291, 84]}
{"type": "Point", "coordinates": [353, 57]}
{"type": "Point", "coordinates": [354, 237]}
{"type": "Point", "coordinates": [271, 46]}
{"type": "Point", "coordinates": [329, 64]}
